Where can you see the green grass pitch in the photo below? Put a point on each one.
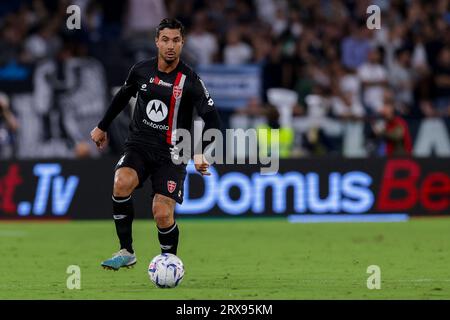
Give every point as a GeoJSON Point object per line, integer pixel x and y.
{"type": "Point", "coordinates": [232, 259]}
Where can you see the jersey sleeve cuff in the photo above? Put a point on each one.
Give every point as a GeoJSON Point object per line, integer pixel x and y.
{"type": "Point", "coordinates": [102, 126]}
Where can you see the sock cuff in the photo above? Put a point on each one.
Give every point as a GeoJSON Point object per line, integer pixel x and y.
{"type": "Point", "coordinates": [120, 216]}
{"type": "Point", "coordinates": [121, 199]}
{"type": "Point", "coordinates": [167, 230]}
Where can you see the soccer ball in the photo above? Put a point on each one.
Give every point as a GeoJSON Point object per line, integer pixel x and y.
{"type": "Point", "coordinates": [166, 270]}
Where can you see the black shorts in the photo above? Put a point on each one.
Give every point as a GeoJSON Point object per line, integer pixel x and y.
{"type": "Point", "coordinates": [167, 178]}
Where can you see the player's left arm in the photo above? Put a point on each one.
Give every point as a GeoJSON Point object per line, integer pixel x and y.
{"type": "Point", "coordinates": [204, 104]}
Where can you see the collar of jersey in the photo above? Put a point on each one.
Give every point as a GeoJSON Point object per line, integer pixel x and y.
{"type": "Point", "coordinates": [167, 73]}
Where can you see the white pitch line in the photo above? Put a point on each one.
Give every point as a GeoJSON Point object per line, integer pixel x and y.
{"type": "Point", "coordinates": [419, 280]}
{"type": "Point", "coordinates": [383, 280]}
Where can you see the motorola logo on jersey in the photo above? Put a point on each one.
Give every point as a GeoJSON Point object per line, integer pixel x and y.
{"type": "Point", "coordinates": [157, 110]}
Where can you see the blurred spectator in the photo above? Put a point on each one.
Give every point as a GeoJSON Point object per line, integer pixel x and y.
{"type": "Point", "coordinates": [393, 131]}
{"type": "Point", "coordinates": [44, 43]}
{"type": "Point", "coordinates": [267, 138]}
{"type": "Point", "coordinates": [419, 59]}
{"type": "Point", "coordinates": [335, 10]}
{"type": "Point", "coordinates": [310, 48]}
{"type": "Point", "coordinates": [11, 37]}
{"type": "Point", "coordinates": [8, 126]}
{"type": "Point", "coordinates": [314, 140]}
{"type": "Point", "coordinates": [249, 116]}
{"type": "Point", "coordinates": [349, 83]}
{"type": "Point", "coordinates": [304, 84]}
{"type": "Point", "coordinates": [320, 48]}
{"type": "Point", "coordinates": [265, 117]}
{"type": "Point", "coordinates": [346, 107]}
{"type": "Point", "coordinates": [267, 10]}
{"type": "Point", "coordinates": [274, 71]}
{"type": "Point", "coordinates": [355, 47]}
{"type": "Point", "coordinates": [396, 40]}
{"type": "Point", "coordinates": [202, 43]}
{"type": "Point", "coordinates": [402, 80]}
{"type": "Point", "coordinates": [144, 15]}
{"type": "Point", "coordinates": [373, 77]}
{"type": "Point", "coordinates": [236, 51]}
{"type": "Point", "coordinates": [279, 22]}
{"type": "Point", "coordinates": [441, 81]}
{"type": "Point", "coordinates": [295, 26]}
{"type": "Point", "coordinates": [254, 108]}
{"type": "Point", "coordinates": [70, 96]}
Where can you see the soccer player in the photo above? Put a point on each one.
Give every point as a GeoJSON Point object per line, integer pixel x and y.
{"type": "Point", "coordinates": [168, 94]}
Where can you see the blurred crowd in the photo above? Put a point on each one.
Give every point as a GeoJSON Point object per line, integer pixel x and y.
{"type": "Point", "coordinates": [321, 50]}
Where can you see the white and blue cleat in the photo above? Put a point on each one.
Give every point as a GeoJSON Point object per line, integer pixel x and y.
{"type": "Point", "coordinates": [121, 259]}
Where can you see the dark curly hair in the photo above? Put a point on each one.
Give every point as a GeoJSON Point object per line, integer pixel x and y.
{"type": "Point", "coordinates": [171, 24]}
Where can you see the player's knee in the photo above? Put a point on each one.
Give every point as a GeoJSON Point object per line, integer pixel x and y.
{"type": "Point", "coordinates": [123, 186]}
{"type": "Point", "coordinates": [160, 212]}
{"type": "Point", "coordinates": [162, 216]}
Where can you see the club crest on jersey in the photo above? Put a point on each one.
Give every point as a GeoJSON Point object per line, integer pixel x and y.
{"type": "Point", "coordinates": [177, 92]}
{"type": "Point", "coordinates": [171, 186]}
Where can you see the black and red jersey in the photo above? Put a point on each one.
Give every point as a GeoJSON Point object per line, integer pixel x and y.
{"type": "Point", "coordinates": [165, 102]}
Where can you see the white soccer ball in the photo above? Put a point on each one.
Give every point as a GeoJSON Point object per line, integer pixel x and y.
{"type": "Point", "coordinates": [166, 270]}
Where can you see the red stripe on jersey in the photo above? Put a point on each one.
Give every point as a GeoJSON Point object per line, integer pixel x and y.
{"type": "Point", "coordinates": [171, 109]}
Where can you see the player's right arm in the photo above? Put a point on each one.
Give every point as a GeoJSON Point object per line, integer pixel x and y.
{"type": "Point", "coordinates": [118, 103]}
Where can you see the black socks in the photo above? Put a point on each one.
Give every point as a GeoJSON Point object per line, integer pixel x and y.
{"type": "Point", "coordinates": [123, 214]}
{"type": "Point", "coordinates": [168, 239]}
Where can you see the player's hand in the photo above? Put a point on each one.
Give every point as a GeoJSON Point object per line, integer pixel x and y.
{"type": "Point", "coordinates": [99, 137]}
{"type": "Point", "coordinates": [201, 165]}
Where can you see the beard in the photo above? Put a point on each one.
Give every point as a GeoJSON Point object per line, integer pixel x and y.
{"type": "Point", "coordinates": [169, 60]}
